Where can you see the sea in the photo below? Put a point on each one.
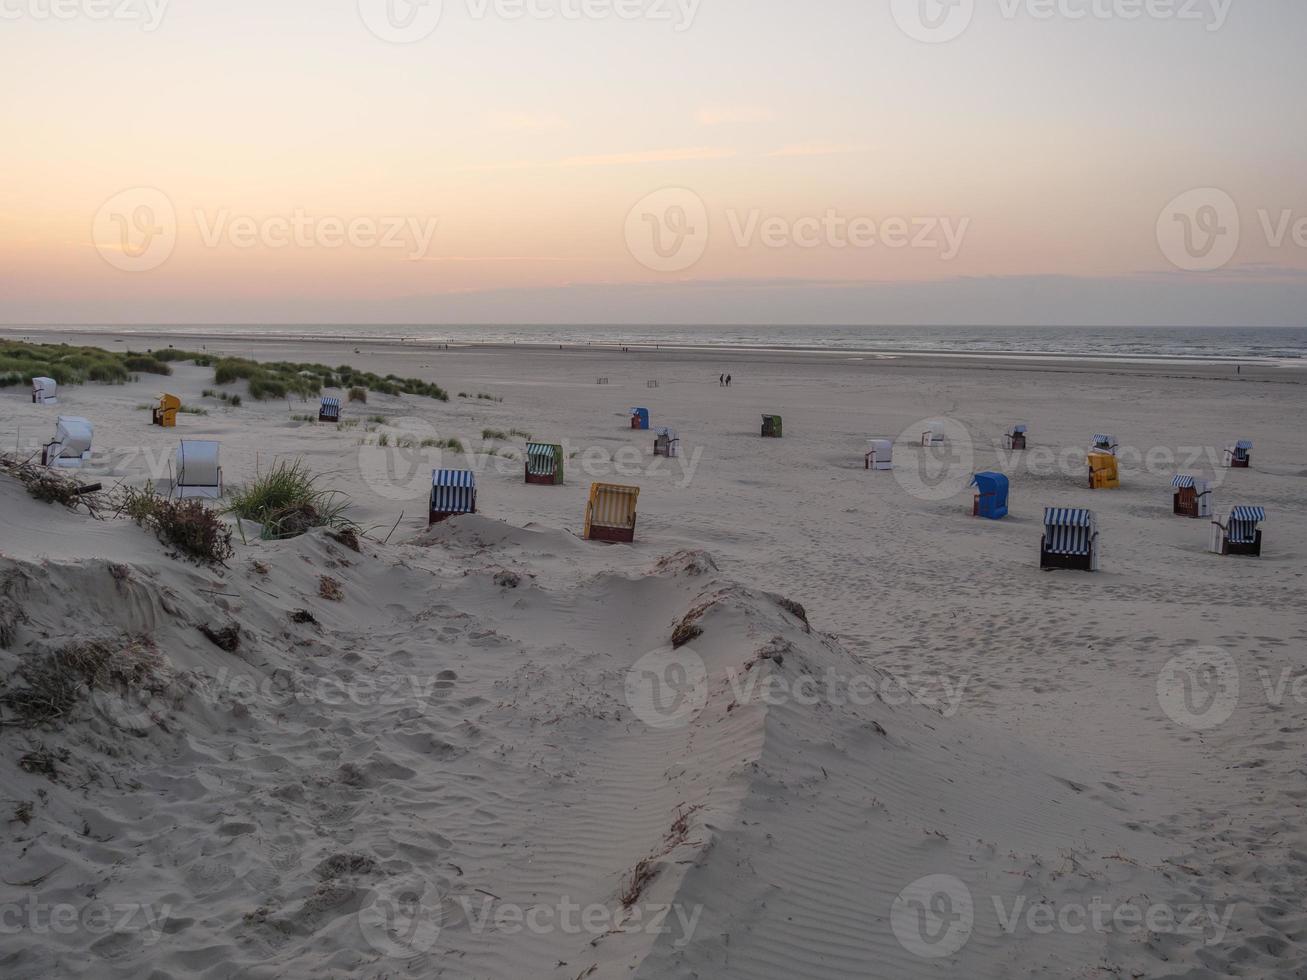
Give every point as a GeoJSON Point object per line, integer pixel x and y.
{"type": "Point", "coordinates": [1282, 344]}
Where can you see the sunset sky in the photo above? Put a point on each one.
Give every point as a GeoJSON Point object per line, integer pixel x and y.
{"type": "Point", "coordinates": [500, 168]}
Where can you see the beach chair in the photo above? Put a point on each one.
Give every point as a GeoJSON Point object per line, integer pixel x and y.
{"type": "Point", "coordinates": [880, 455]}
{"type": "Point", "coordinates": [1192, 497]}
{"type": "Point", "coordinates": [1238, 534]}
{"type": "Point", "coordinates": [1240, 455]}
{"type": "Point", "coordinates": [1103, 444]}
{"type": "Point", "coordinates": [71, 446]}
{"type": "Point", "coordinates": [667, 443]}
{"type": "Point", "coordinates": [329, 409]}
{"type": "Point", "coordinates": [772, 427]}
{"type": "Point", "coordinates": [199, 471]}
{"type": "Point", "coordinates": [45, 391]}
{"type": "Point", "coordinates": [651, 384]}
{"type": "Point", "coordinates": [640, 418]}
{"type": "Point", "coordinates": [601, 381]}
{"type": "Point", "coordinates": [544, 464]}
{"type": "Point", "coordinates": [453, 492]}
{"type": "Point", "coordinates": [1103, 472]}
{"type": "Point", "coordinates": [1070, 539]}
{"type": "Point", "coordinates": [991, 496]}
{"type": "Point", "coordinates": [1015, 437]}
{"type": "Point", "coordinates": [933, 434]}
{"type": "Point", "coordinates": [610, 512]}
{"type": "Point", "coordinates": [165, 413]}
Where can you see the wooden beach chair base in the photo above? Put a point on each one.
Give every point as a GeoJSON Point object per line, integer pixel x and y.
{"type": "Point", "coordinates": [623, 535]}
{"type": "Point", "coordinates": [1251, 549]}
{"type": "Point", "coordinates": [1077, 563]}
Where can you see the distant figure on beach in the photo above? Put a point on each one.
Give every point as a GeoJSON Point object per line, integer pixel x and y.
{"type": "Point", "coordinates": [728, 381]}
{"type": "Point", "coordinates": [721, 380]}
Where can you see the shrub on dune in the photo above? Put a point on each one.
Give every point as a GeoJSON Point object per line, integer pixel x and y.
{"type": "Point", "coordinates": [188, 525]}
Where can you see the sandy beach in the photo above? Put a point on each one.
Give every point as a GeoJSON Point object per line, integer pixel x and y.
{"type": "Point", "coordinates": [898, 748]}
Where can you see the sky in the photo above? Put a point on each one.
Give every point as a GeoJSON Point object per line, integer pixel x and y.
{"type": "Point", "coordinates": [1067, 162]}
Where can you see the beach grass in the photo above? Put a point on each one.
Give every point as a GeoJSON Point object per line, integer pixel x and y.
{"type": "Point", "coordinates": [287, 501]}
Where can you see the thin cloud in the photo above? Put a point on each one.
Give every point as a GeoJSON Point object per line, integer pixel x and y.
{"type": "Point", "coordinates": [720, 115]}
{"type": "Point", "coordinates": [490, 258]}
{"type": "Point", "coordinates": [812, 150]}
{"type": "Point", "coordinates": [526, 122]}
{"type": "Point", "coordinates": [649, 156]}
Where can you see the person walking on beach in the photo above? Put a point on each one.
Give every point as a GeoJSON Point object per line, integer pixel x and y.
{"type": "Point", "coordinates": [721, 380]}
{"type": "Point", "coordinates": [728, 381]}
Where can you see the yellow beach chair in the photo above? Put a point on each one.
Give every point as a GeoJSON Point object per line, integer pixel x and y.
{"type": "Point", "coordinates": [610, 514]}
{"type": "Point", "coordinates": [1103, 473]}
{"type": "Point", "coordinates": [165, 413]}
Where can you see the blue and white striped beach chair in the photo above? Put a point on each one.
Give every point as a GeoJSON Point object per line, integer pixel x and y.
{"type": "Point", "coordinates": [1103, 443]}
{"type": "Point", "coordinates": [1240, 455]}
{"type": "Point", "coordinates": [1070, 539]}
{"type": "Point", "coordinates": [453, 492]}
{"type": "Point", "coordinates": [1239, 534]}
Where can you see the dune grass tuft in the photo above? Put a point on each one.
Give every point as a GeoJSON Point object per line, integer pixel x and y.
{"type": "Point", "coordinates": [287, 501]}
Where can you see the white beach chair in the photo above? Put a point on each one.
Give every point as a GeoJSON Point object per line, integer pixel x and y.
{"type": "Point", "coordinates": [45, 391]}
{"type": "Point", "coordinates": [666, 442]}
{"type": "Point", "coordinates": [880, 455]}
{"type": "Point", "coordinates": [71, 446]}
{"type": "Point", "coordinates": [199, 473]}
{"type": "Point", "coordinates": [933, 434]}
